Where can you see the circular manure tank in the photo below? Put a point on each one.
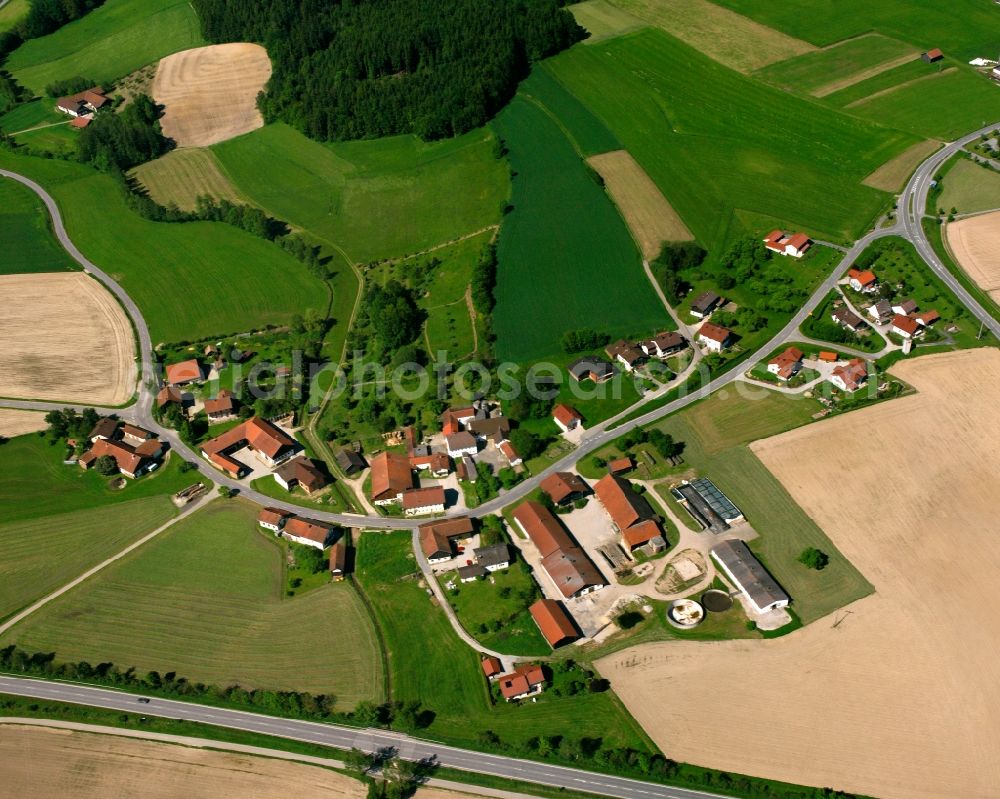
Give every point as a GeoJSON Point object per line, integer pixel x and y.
{"type": "Point", "coordinates": [716, 601]}
{"type": "Point", "coordinates": [685, 613]}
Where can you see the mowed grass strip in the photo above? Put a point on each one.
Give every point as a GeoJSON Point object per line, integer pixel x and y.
{"type": "Point", "coordinates": [182, 176]}
{"type": "Point", "coordinates": [373, 199]}
{"type": "Point", "coordinates": [649, 216]}
{"type": "Point", "coordinates": [107, 43]}
{"type": "Point", "coordinates": [588, 135]}
{"type": "Point", "coordinates": [731, 39]}
{"type": "Point", "coordinates": [205, 599]}
{"type": "Point", "coordinates": [814, 72]}
{"type": "Point", "coordinates": [894, 173]}
{"type": "Point", "coordinates": [724, 142]}
{"type": "Point", "coordinates": [940, 106]}
{"type": "Point", "coordinates": [879, 83]}
{"type": "Point", "coordinates": [39, 555]}
{"type": "Point", "coordinates": [28, 243]}
{"type": "Point", "coordinates": [34, 481]}
{"type": "Point", "coordinates": [191, 280]}
{"type": "Point", "coordinates": [416, 630]}
{"type": "Point", "coordinates": [566, 257]}
{"type": "Point", "coordinates": [603, 20]}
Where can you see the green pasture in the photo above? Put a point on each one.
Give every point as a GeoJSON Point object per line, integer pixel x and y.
{"type": "Point", "coordinates": [28, 243]}
{"type": "Point", "coordinates": [719, 144]}
{"type": "Point", "coordinates": [970, 188]}
{"type": "Point", "coordinates": [111, 41]}
{"type": "Point", "coordinates": [206, 599]}
{"type": "Point", "coordinates": [60, 140]}
{"type": "Point", "coordinates": [588, 135]}
{"type": "Point", "coordinates": [11, 13]}
{"type": "Point", "coordinates": [912, 70]}
{"type": "Point", "coordinates": [191, 280]}
{"type": "Point", "coordinates": [567, 259]}
{"type": "Point", "coordinates": [371, 199]}
{"type": "Point", "coordinates": [416, 631]}
{"type": "Point", "coordinates": [41, 111]}
{"type": "Point", "coordinates": [40, 554]}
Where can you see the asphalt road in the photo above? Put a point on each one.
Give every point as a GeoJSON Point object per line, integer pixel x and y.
{"type": "Point", "coordinates": [347, 737]}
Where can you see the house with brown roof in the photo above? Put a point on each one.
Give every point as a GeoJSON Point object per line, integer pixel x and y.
{"type": "Point", "coordinates": [133, 435]}
{"type": "Point", "coordinates": [454, 419]}
{"type": "Point", "coordinates": [272, 518]}
{"type": "Point", "coordinates": [307, 532]}
{"type": "Point", "coordinates": [591, 367]}
{"type": "Point", "coordinates": [492, 667]}
{"type": "Point", "coordinates": [904, 326]}
{"type": "Point", "coordinates": [511, 454]}
{"type": "Point", "coordinates": [628, 511]}
{"type": "Point", "coordinates": [564, 487]}
{"type": "Point", "coordinates": [705, 303]}
{"type": "Point", "coordinates": [846, 318]}
{"type": "Point", "coordinates": [184, 373]}
{"type": "Point", "coordinates": [905, 307]}
{"type": "Point", "coordinates": [621, 465]}
{"type": "Point", "coordinates": [221, 408]}
{"type": "Point", "coordinates": [715, 337]}
{"type": "Point", "coordinates": [128, 461]}
{"type": "Point", "coordinates": [863, 281]}
{"type": "Point", "coordinates": [83, 104]}
{"type": "Point", "coordinates": [850, 376]}
{"type": "Point", "coordinates": [786, 364]}
{"type": "Point", "coordinates": [521, 683]}
{"type": "Point", "coordinates": [491, 430]}
{"type": "Point", "coordinates": [350, 462]}
{"type": "Point", "coordinates": [932, 55]}
{"type": "Point", "coordinates": [663, 345]}
{"type": "Point", "coordinates": [338, 560]}
{"type": "Point", "coordinates": [302, 472]}
{"type": "Point", "coordinates": [417, 501]}
{"type": "Point", "coordinates": [134, 449]}
{"type": "Point", "coordinates": [169, 395]}
{"type": "Point", "coordinates": [646, 533]}
{"type": "Point", "coordinates": [391, 476]}
{"type": "Point", "coordinates": [568, 566]}
{"type": "Point", "coordinates": [925, 318]}
{"type": "Point", "coordinates": [106, 428]}
{"type": "Point", "coordinates": [461, 443]}
{"type": "Point", "coordinates": [880, 312]}
{"type": "Point", "coordinates": [626, 353]}
{"type": "Point", "coordinates": [270, 445]}
{"type": "Point", "coordinates": [566, 418]}
{"type": "Point", "coordinates": [554, 622]}
{"type": "Point", "coordinates": [437, 538]}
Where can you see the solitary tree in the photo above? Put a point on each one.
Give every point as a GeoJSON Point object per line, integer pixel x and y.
{"type": "Point", "coordinates": [106, 465]}
{"type": "Point", "coordinates": [814, 558]}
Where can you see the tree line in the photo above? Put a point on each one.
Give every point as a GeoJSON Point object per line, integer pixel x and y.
{"type": "Point", "coordinates": [43, 17]}
{"type": "Point", "coordinates": [369, 68]}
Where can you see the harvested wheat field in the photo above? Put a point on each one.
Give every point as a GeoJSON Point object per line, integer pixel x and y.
{"type": "Point", "coordinates": [209, 94]}
{"type": "Point", "coordinates": [183, 175]}
{"type": "Point", "coordinates": [63, 337]}
{"type": "Point", "coordinates": [65, 764]}
{"type": "Point", "coordinates": [975, 243]}
{"type": "Point", "coordinates": [18, 423]}
{"type": "Point", "coordinates": [894, 173]}
{"type": "Point", "coordinates": [647, 213]}
{"type": "Point", "coordinates": [897, 696]}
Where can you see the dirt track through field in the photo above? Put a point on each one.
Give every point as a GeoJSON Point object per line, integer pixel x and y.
{"type": "Point", "coordinates": [647, 212]}
{"type": "Point", "coordinates": [63, 337]}
{"type": "Point", "coordinates": [975, 243]}
{"type": "Point", "coordinates": [210, 93]}
{"type": "Point", "coordinates": [897, 696]}
{"type": "Point", "coordinates": [864, 74]}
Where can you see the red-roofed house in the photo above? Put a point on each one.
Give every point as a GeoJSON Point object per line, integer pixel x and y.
{"type": "Point", "coordinates": [510, 453]}
{"type": "Point", "coordinates": [221, 407]}
{"type": "Point", "coordinates": [180, 374]}
{"type": "Point", "coordinates": [793, 244]}
{"type": "Point", "coordinates": [926, 317]}
{"type": "Point", "coordinates": [521, 683]}
{"type": "Point", "coordinates": [270, 444]}
{"type": "Point", "coordinates": [715, 337]}
{"type": "Point", "coordinates": [566, 417]}
{"type": "Point", "coordinates": [307, 532]}
{"type": "Point", "coordinates": [437, 463]}
{"type": "Point", "coordinates": [904, 326]}
{"type": "Point", "coordinates": [865, 281]}
{"type": "Point", "coordinates": [272, 518]}
{"type": "Point", "coordinates": [554, 622]}
{"type": "Point", "coordinates": [391, 476]}
{"type": "Point", "coordinates": [787, 364]}
{"type": "Point", "coordinates": [850, 376]}
{"type": "Point", "coordinates": [423, 500]}
{"type": "Point", "coordinates": [492, 667]}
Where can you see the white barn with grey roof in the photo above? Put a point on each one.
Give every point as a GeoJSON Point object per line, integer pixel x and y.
{"type": "Point", "coordinates": [738, 562]}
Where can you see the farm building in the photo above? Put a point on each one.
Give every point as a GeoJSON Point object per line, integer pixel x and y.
{"type": "Point", "coordinates": [794, 244]}
{"type": "Point", "coordinates": [302, 472]}
{"type": "Point", "coordinates": [566, 418]}
{"type": "Point", "coordinates": [272, 518]}
{"type": "Point", "coordinates": [705, 303]}
{"type": "Point", "coordinates": [714, 337]}
{"type": "Point", "coordinates": [437, 463]}
{"type": "Point", "coordinates": [466, 469]}
{"type": "Point", "coordinates": [423, 500]}
{"type": "Point", "coordinates": [350, 461]}
{"type": "Point", "coordinates": [786, 364]}
{"type": "Point", "coordinates": [183, 373]}
{"type": "Point", "coordinates": [133, 449]}
{"type": "Point", "coordinates": [470, 573]}
{"type": "Point", "coordinates": [926, 317]}
{"type": "Point", "coordinates": [338, 560]}
{"type": "Point", "coordinates": [646, 533]}
{"type": "Point", "coordinates": [905, 307]}
{"type": "Point", "coordinates": [461, 443]}
{"type": "Point", "coordinates": [904, 326]}
{"type": "Point", "coordinates": [621, 465]}
{"type": "Point", "coordinates": [307, 532]}
{"type": "Point", "coordinates": [105, 428]}
{"type": "Point", "coordinates": [591, 367]}
{"type": "Point", "coordinates": [437, 538]}
{"type": "Point", "coordinates": [454, 419]}
{"type": "Point", "coordinates": [737, 561]}
{"type": "Point", "coordinates": [707, 505]}
{"type": "Point", "coordinates": [391, 476]}
{"type": "Point", "coordinates": [491, 430]}
{"type": "Point", "coordinates": [865, 281]}
{"type": "Point", "coordinates": [80, 122]}
{"type": "Point", "coordinates": [83, 104]}
{"type": "Point", "coordinates": [563, 487]}
{"type": "Point", "coordinates": [663, 345]}
{"type": "Point", "coordinates": [554, 623]}
{"type": "Point", "coordinates": [169, 395]}
{"type": "Point", "coordinates": [511, 454]}
{"type": "Point", "coordinates": [565, 563]}
{"type": "Point", "coordinates": [626, 353]}
{"type": "Point", "coordinates": [850, 376]}
{"type": "Point", "coordinates": [523, 682]}
{"type": "Point", "coordinates": [492, 558]}
{"type": "Point", "coordinates": [931, 56]}
{"type": "Point", "coordinates": [269, 444]}
{"type": "Point", "coordinates": [221, 408]}
{"type": "Point", "coordinates": [492, 667]}
{"type": "Point", "coordinates": [623, 505]}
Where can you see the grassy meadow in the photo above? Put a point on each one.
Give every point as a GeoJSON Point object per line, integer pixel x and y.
{"type": "Point", "coordinates": [111, 41]}
{"type": "Point", "coordinates": [182, 176]}
{"type": "Point", "coordinates": [723, 143]}
{"type": "Point", "coordinates": [970, 188]}
{"type": "Point", "coordinates": [192, 280]}
{"type": "Point", "coordinates": [11, 13]}
{"type": "Point", "coordinates": [206, 599]}
{"type": "Point", "coordinates": [40, 111]}
{"type": "Point", "coordinates": [416, 631]}
{"type": "Point", "coordinates": [371, 199]}
{"type": "Point", "coordinates": [29, 245]}
{"type": "Point", "coordinates": [567, 259]}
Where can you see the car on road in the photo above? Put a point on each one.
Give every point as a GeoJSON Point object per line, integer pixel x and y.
{"type": "Point", "coordinates": [143, 700]}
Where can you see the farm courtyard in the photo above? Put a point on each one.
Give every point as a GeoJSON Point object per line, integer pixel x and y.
{"type": "Point", "coordinates": [904, 680]}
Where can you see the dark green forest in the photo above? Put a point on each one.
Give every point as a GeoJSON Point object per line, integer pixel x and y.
{"type": "Point", "coordinates": [367, 68]}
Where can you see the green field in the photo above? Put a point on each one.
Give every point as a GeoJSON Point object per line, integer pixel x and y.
{"type": "Point", "coordinates": [371, 199]}
{"type": "Point", "coordinates": [191, 280]}
{"type": "Point", "coordinates": [449, 680]}
{"type": "Point", "coordinates": [719, 144]}
{"type": "Point", "coordinates": [970, 188]}
{"type": "Point", "coordinates": [34, 482]}
{"type": "Point", "coordinates": [11, 13]}
{"type": "Point", "coordinates": [941, 107]}
{"type": "Point", "coordinates": [896, 76]}
{"type": "Point", "coordinates": [108, 43]}
{"type": "Point", "coordinates": [28, 243]}
{"type": "Point", "coordinates": [811, 71]}
{"type": "Point", "coordinates": [603, 20]}
{"type": "Point", "coordinates": [962, 28]}
{"type": "Point", "coordinates": [30, 115]}
{"type": "Point", "coordinates": [205, 599]}
{"type": "Point", "coordinates": [40, 554]}
{"type": "Point", "coordinates": [567, 259]}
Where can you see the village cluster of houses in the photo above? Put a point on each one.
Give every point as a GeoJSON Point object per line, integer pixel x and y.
{"type": "Point", "coordinates": [848, 376]}
{"type": "Point", "coordinates": [134, 450]}
{"type": "Point", "coordinates": [82, 106]}
{"type": "Point", "coordinates": [309, 533]}
{"type": "Point", "coordinates": [445, 540]}
{"type": "Point", "coordinates": [904, 317]}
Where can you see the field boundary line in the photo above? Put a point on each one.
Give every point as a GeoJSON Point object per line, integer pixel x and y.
{"type": "Point", "coordinates": [37, 127]}
{"type": "Point", "coordinates": [39, 604]}
{"type": "Point", "coordinates": [864, 74]}
{"type": "Point", "coordinates": [904, 85]}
